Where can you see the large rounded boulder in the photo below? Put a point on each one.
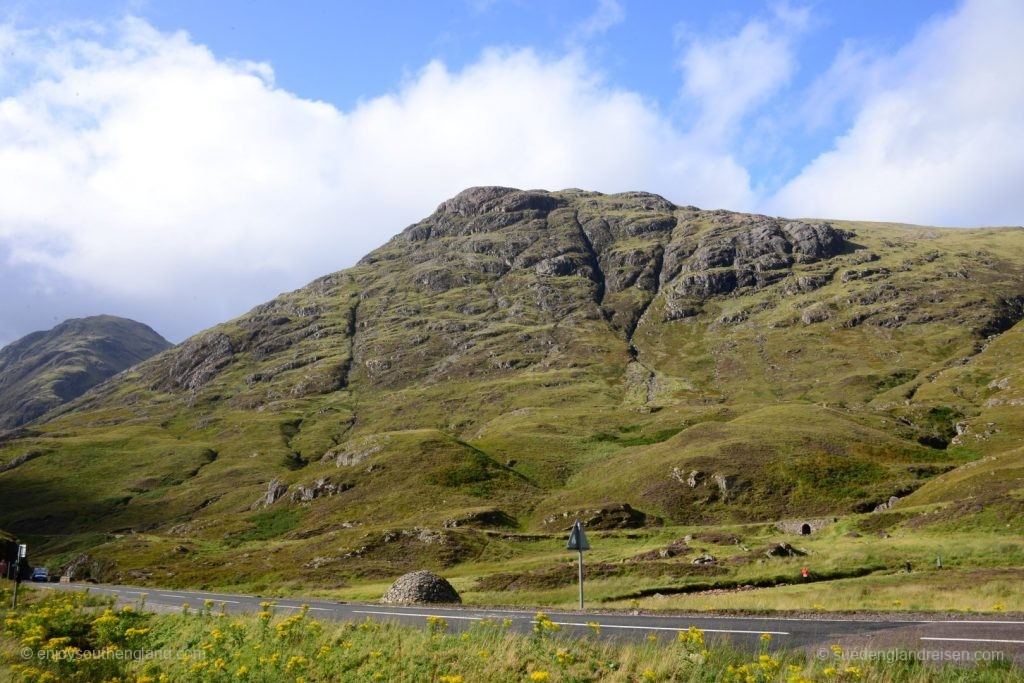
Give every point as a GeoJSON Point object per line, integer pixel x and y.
{"type": "Point", "coordinates": [421, 587]}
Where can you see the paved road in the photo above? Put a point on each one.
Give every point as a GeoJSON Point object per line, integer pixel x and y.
{"type": "Point", "coordinates": [949, 640]}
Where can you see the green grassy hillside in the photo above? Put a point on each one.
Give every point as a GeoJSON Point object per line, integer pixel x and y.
{"type": "Point", "coordinates": [518, 358]}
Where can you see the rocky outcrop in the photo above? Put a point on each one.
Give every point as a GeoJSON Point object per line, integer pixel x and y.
{"type": "Point", "coordinates": [782, 550]}
{"type": "Point", "coordinates": [197, 361]}
{"type": "Point", "coordinates": [421, 588]}
{"type": "Point", "coordinates": [479, 200]}
{"type": "Point", "coordinates": [745, 251]}
{"type": "Point", "coordinates": [618, 516]}
{"type": "Point", "coordinates": [814, 240]}
{"type": "Point", "coordinates": [21, 460]}
{"type": "Point", "coordinates": [275, 489]}
{"type": "Point", "coordinates": [489, 518]}
{"type": "Point", "coordinates": [85, 567]}
{"type": "Point", "coordinates": [887, 505]}
{"type": "Point", "coordinates": [323, 487]}
{"type": "Point", "coordinates": [815, 314]}
{"type": "Point", "coordinates": [716, 485]}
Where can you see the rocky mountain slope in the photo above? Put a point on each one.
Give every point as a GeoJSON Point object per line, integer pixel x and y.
{"type": "Point", "coordinates": [521, 357]}
{"type": "Point", "coordinates": [46, 369]}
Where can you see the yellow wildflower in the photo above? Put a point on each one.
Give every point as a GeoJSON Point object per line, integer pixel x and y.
{"type": "Point", "coordinates": [296, 662]}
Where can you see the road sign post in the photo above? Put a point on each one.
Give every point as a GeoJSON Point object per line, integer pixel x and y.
{"type": "Point", "coordinates": [578, 542]}
{"type": "Point", "coordinates": [22, 552]}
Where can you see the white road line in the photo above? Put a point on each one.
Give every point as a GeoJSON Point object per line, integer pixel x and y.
{"type": "Point", "coordinates": [171, 595]}
{"type": "Point", "coordinates": [667, 628]}
{"type": "Point", "coordinates": [413, 614]}
{"type": "Point", "coordinates": [977, 640]}
{"type": "Point", "coordinates": [1019, 623]}
{"type": "Point", "coordinates": [320, 609]}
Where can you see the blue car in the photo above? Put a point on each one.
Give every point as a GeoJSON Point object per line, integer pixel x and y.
{"type": "Point", "coordinates": [41, 574]}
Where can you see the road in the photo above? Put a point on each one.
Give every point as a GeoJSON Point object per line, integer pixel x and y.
{"type": "Point", "coordinates": [937, 639]}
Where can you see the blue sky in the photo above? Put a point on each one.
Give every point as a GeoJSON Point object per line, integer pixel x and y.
{"type": "Point", "coordinates": [180, 162]}
{"type": "Point", "coordinates": [342, 52]}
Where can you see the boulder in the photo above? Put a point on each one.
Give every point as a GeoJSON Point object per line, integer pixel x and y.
{"type": "Point", "coordinates": [420, 587]}
{"type": "Point", "coordinates": [783, 550]}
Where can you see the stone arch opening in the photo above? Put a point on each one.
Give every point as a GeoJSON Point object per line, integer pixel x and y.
{"type": "Point", "coordinates": [805, 529]}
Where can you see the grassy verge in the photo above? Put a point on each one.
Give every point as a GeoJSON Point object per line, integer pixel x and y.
{"type": "Point", "coordinates": [987, 591]}
{"type": "Point", "coordinates": [296, 647]}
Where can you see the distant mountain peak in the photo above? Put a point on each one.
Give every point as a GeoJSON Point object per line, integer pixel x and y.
{"type": "Point", "coordinates": [46, 369]}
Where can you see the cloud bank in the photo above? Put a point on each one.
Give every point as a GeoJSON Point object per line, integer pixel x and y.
{"type": "Point", "coordinates": [938, 137]}
{"type": "Point", "coordinates": [143, 175]}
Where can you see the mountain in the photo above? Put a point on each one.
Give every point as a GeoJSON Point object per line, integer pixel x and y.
{"type": "Point", "coordinates": [522, 357]}
{"type": "Point", "coordinates": [46, 369]}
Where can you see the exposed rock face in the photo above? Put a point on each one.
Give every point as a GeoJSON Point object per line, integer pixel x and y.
{"type": "Point", "coordinates": [353, 453]}
{"type": "Point", "coordinates": [745, 251]}
{"type": "Point", "coordinates": [321, 488]}
{"type": "Point", "coordinates": [86, 567]}
{"type": "Point", "coordinates": [275, 489]}
{"type": "Point", "coordinates": [618, 516]}
{"type": "Point", "coordinates": [43, 370]}
{"type": "Point", "coordinates": [815, 314]}
{"type": "Point", "coordinates": [420, 588]}
{"type": "Point", "coordinates": [197, 361]}
{"type": "Point", "coordinates": [887, 504]}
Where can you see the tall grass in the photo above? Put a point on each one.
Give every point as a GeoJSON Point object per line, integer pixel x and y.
{"type": "Point", "coordinates": [269, 646]}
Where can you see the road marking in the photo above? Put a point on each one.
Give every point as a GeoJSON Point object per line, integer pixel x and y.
{"type": "Point", "coordinates": [978, 640]}
{"type": "Point", "coordinates": [320, 609]}
{"type": "Point", "coordinates": [415, 614]}
{"type": "Point", "coordinates": [695, 618]}
{"type": "Point", "coordinates": [965, 621]}
{"type": "Point", "coordinates": [666, 628]}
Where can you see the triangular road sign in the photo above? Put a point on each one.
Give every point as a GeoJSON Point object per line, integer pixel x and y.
{"type": "Point", "coordinates": [577, 539]}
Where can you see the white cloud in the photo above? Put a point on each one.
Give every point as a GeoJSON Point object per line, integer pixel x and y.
{"type": "Point", "coordinates": [727, 78]}
{"type": "Point", "coordinates": [607, 14]}
{"type": "Point", "coordinates": [143, 168]}
{"type": "Point", "coordinates": [938, 137]}
{"type": "Point", "coordinates": [142, 175]}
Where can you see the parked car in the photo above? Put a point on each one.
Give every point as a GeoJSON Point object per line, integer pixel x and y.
{"type": "Point", "coordinates": [41, 574]}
